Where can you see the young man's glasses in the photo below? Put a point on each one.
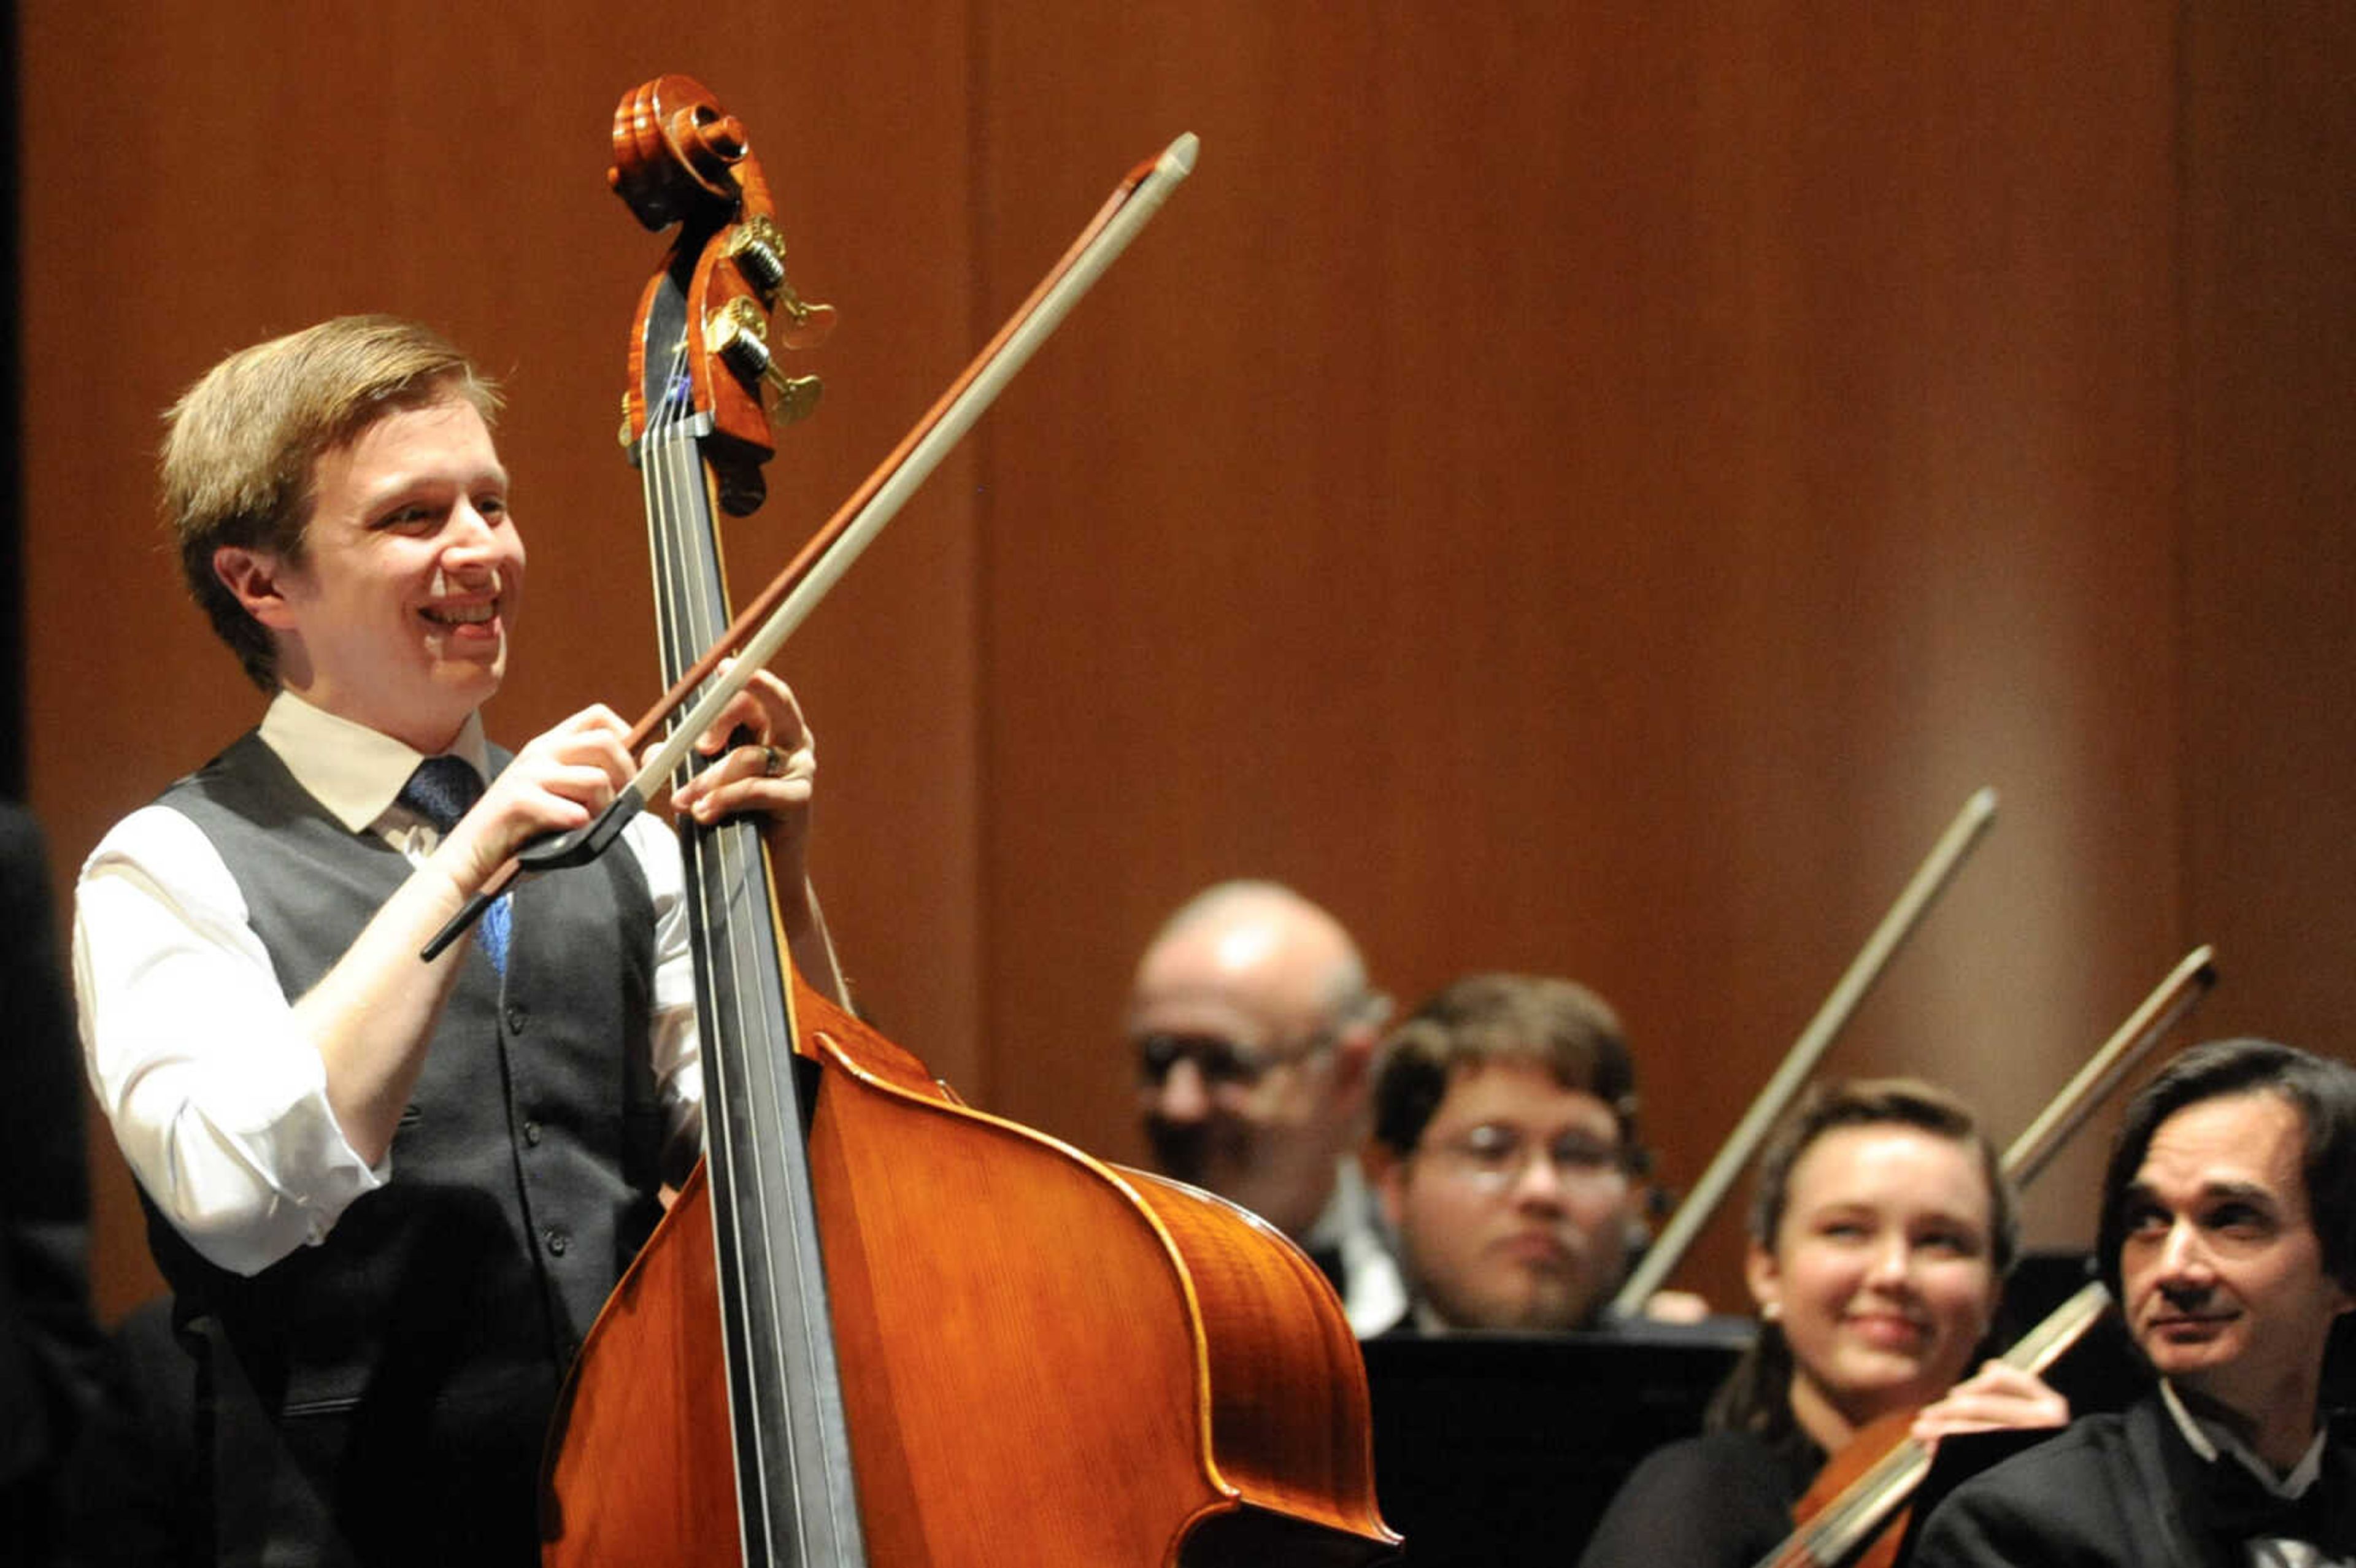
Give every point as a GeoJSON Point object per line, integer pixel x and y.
{"type": "Point", "coordinates": [1494, 1155]}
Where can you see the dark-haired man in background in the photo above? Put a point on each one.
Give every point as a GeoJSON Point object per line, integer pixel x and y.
{"type": "Point", "coordinates": [2228, 1234]}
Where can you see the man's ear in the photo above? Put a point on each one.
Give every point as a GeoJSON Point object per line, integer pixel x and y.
{"type": "Point", "coordinates": [252, 578]}
{"type": "Point", "coordinates": [1349, 1078]}
{"type": "Point", "coordinates": [1353, 1053]}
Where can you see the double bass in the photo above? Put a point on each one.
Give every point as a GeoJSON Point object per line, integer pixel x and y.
{"type": "Point", "coordinates": [880, 1325]}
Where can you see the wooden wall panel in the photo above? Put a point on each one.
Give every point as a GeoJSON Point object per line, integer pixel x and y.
{"type": "Point", "coordinates": [1592, 490]}
{"type": "Point", "coordinates": [1585, 489]}
{"type": "Point", "coordinates": [2270, 490]}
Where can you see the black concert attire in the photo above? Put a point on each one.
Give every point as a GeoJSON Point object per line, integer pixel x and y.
{"type": "Point", "coordinates": [1720, 1501]}
{"type": "Point", "coordinates": [48, 1342]}
{"type": "Point", "coordinates": [2129, 1490]}
{"type": "Point", "coordinates": [134, 1494]}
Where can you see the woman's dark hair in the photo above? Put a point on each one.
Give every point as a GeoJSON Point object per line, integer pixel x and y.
{"type": "Point", "coordinates": [1756, 1396]}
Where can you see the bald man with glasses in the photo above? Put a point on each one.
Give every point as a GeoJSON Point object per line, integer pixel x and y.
{"type": "Point", "coordinates": [1252, 1029]}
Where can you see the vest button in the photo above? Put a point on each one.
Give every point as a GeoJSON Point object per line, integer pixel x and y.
{"type": "Point", "coordinates": [557, 1241]}
{"type": "Point", "coordinates": [531, 1134]}
{"type": "Point", "coordinates": [517, 1019]}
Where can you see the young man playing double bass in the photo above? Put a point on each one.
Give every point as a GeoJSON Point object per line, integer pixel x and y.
{"type": "Point", "coordinates": [2228, 1235]}
{"type": "Point", "coordinates": [390, 1196]}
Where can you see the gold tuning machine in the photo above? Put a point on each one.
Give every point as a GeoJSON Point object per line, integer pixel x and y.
{"type": "Point", "coordinates": [758, 251]}
{"type": "Point", "coordinates": [739, 334]}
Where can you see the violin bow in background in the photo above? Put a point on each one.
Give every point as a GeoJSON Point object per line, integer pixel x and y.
{"type": "Point", "coordinates": [1930, 879]}
{"type": "Point", "coordinates": [2176, 996]}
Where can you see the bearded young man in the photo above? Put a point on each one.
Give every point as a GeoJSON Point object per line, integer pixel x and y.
{"type": "Point", "coordinates": [1505, 1157]}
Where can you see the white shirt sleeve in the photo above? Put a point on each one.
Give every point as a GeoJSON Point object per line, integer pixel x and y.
{"type": "Point", "coordinates": [220, 1104]}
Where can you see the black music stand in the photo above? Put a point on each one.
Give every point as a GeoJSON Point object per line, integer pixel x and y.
{"type": "Point", "coordinates": [1497, 1449]}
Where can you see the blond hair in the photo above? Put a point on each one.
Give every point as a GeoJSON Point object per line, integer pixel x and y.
{"type": "Point", "coordinates": [240, 444]}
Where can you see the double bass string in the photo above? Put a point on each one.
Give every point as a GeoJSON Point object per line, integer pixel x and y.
{"type": "Point", "coordinates": [689, 593]}
{"type": "Point", "coordinates": [676, 630]}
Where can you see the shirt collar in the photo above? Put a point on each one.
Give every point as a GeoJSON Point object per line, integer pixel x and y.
{"type": "Point", "coordinates": [1349, 1208]}
{"type": "Point", "coordinates": [355, 772]}
{"type": "Point", "coordinates": [2212, 1439]}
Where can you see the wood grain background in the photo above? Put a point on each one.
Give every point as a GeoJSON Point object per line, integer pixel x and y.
{"type": "Point", "coordinates": [1579, 488]}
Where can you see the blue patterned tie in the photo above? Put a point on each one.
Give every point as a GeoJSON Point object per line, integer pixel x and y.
{"type": "Point", "coordinates": [443, 790]}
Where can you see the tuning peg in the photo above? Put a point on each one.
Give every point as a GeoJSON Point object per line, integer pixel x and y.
{"type": "Point", "coordinates": [738, 333]}
{"type": "Point", "coordinates": [758, 249]}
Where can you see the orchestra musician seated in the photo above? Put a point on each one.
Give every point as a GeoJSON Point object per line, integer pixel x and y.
{"type": "Point", "coordinates": [391, 1195]}
{"type": "Point", "coordinates": [1880, 1235]}
{"type": "Point", "coordinates": [2228, 1234]}
{"type": "Point", "coordinates": [1253, 1029]}
{"type": "Point", "coordinates": [1505, 1157]}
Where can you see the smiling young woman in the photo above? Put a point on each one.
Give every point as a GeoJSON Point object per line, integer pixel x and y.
{"type": "Point", "coordinates": [1881, 1231]}
{"type": "Point", "coordinates": [1882, 1272]}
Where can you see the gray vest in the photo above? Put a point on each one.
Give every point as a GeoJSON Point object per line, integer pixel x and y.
{"type": "Point", "coordinates": [406, 1366]}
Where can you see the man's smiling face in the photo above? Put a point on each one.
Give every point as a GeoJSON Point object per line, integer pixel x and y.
{"type": "Point", "coordinates": [398, 613]}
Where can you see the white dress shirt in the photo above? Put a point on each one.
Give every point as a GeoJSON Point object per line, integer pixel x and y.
{"type": "Point", "coordinates": [1373, 1296]}
{"type": "Point", "coordinates": [219, 1101]}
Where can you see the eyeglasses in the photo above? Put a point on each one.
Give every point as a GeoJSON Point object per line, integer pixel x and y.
{"type": "Point", "coordinates": [1496, 1155]}
{"type": "Point", "coordinates": [1221, 1061]}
